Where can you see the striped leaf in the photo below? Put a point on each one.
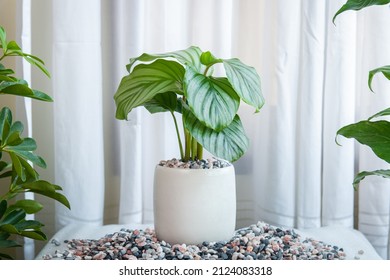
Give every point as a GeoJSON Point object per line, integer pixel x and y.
{"type": "Point", "coordinates": [213, 100]}
{"type": "Point", "coordinates": [145, 82]}
{"type": "Point", "coordinates": [189, 56]}
{"type": "Point", "coordinates": [163, 102]}
{"type": "Point", "coordinates": [230, 143]}
{"type": "Point", "coordinates": [358, 5]}
{"type": "Point", "coordinates": [245, 81]}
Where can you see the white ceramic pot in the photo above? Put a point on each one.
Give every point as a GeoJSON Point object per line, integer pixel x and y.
{"type": "Point", "coordinates": [194, 205]}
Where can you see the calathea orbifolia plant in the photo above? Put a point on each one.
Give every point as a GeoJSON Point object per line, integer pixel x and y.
{"type": "Point", "coordinates": [181, 82]}
{"type": "Point", "coordinates": [18, 165]}
{"type": "Point", "coordinates": [371, 132]}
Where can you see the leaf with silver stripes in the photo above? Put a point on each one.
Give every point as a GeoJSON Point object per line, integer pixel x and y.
{"type": "Point", "coordinates": [189, 56]}
{"type": "Point", "coordinates": [230, 143]}
{"type": "Point", "coordinates": [245, 81]}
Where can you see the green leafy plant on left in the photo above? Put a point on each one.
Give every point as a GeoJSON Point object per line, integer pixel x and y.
{"type": "Point", "coordinates": [372, 132]}
{"type": "Point", "coordinates": [18, 166]}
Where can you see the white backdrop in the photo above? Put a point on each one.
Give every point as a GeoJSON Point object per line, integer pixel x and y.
{"type": "Point", "coordinates": [314, 79]}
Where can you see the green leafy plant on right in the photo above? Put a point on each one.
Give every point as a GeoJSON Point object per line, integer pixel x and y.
{"type": "Point", "coordinates": [19, 167]}
{"type": "Point", "coordinates": [371, 132]}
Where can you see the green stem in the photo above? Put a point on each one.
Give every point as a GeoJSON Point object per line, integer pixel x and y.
{"type": "Point", "coordinates": [199, 152]}
{"type": "Point", "coordinates": [188, 137]}
{"type": "Point", "coordinates": [194, 148]}
{"type": "Point", "coordinates": [209, 66]}
{"type": "Point", "coordinates": [12, 192]}
{"type": "Point", "coordinates": [178, 136]}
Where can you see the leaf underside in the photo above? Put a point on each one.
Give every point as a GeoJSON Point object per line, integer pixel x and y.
{"type": "Point", "coordinates": [145, 82]}
{"type": "Point", "coordinates": [359, 177]}
{"type": "Point", "coordinates": [358, 5]}
{"type": "Point", "coordinates": [376, 135]}
{"type": "Point", "coordinates": [385, 70]}
{"type": "Point", "coordinates": [189, 56]}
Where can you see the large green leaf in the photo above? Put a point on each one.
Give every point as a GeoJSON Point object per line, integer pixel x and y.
{"type": "Point", "coordinates": [16, 88]}
{"type": "Point", "coordinates": [5, 117]}
{"type": "Point", "coordinates": [47, 189]}
{"type": "Point", "coordinates": [18, 167]}
{"type": "Point", "coordinates": [358, 5]}
{"type": "Point", "coordinates": [13, 217]}
{"type": "Point", "coordinates": [245, 81]}
{"type": "Point", "coordinates": [163, 102]}
{"type": "Point", "coordinates": [9, 229]}
{"type": "Point", "coordinates": [188, 56]}
{"type": "Point", "coordinates": [28, 205]}
{"type": "Point", "coordinates": [24, 150]}
{"type": "Point", "coordinates": [4, 71]}
{"type": "Point", "coordinates": [145, 82]}
{"type": "Point", "coordinates": [34, 234]}
{"type": "Point", "coordinates": [376, 135]}
{"type": "Point", "coordinates": [4, 78]}
{"type": "Point", "coordinates": [8, 244]}
{"type": "Point", "coordinates": [30, 224]}
{"type": "Point", "coordinates": [33, 60]}
{"type": "Point", "coordinates": [385, 70]}
{"type": "Point", "coordinates": [20, 88]}
{"type": "Point", "coordinates": [230, 143]}
{"type": "Point", "coordinates": [13, 137]}
{"type": "Point", "coordinates": [13, 49]}
{"type": "Point", "coordinates": [363, 174]}
{"type": "Point", "coordinates": [213, 100]}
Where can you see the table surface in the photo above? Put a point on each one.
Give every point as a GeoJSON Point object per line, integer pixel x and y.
{"type": "Point", "coordinates": [354, 243]}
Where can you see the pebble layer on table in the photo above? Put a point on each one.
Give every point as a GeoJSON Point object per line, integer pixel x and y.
{"type": "Point", "coordinates": [210, 163]}
{"type": "Point", "coordinates": [259, 241]}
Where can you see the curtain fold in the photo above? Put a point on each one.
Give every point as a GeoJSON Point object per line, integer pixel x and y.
{"type": "Point", "coordinates": [78, 115]}
{"type": "Point", "coordinates": [374, 192]}
{"type": "Point", "coordinates": [314, 79]}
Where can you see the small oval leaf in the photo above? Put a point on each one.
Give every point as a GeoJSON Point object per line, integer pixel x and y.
{"type": "Point", "coordinates": [28, 205]}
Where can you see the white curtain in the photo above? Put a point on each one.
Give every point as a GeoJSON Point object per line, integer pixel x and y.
{"type": "Point", "coordinates": [314, 79]}
{"type": "Point", "coordinates": [374, 193]}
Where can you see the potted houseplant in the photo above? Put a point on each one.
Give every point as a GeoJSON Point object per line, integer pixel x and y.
{"type": "Point", "coordinates": [18, 167]}
{"type": "Point", "coordinates": [194, 205]}
{"type": "Point", "coordinates": [371, 132]}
